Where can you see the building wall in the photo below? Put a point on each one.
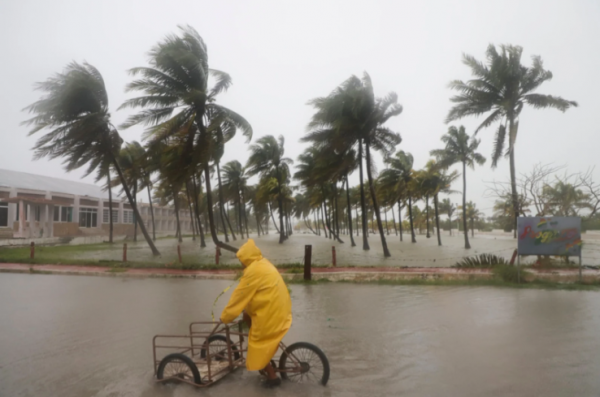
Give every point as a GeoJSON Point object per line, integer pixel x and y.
{"type": "Point", "coordinates": [165, 220]}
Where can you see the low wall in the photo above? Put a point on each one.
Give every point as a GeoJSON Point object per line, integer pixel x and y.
{"type": "Point", "coordinates": [120, 229]}
{"type": "Point", "coordinates": [66, 229]}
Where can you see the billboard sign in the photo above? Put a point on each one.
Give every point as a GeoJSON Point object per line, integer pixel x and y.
{"type": "Point", "coordinates": [549, 236]}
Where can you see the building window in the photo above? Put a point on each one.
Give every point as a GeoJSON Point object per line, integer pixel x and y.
{"type": "Point", "coordinates": [88, 217]}
{"type": "Point", "coordinates": [115, 216]}
{"type": "Point", "coordinates": [66, 214]}
{"type": "Point", "coordinates": [128, 216]}
{"type": "Point", "coordinates": [63, 214]}
{"type": "Point", "coordinates": [3, 214]}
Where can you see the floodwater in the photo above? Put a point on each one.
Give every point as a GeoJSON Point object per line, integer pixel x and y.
{"type": "Point", "coordinates": [425, 253]}
{"type": "Point", "coordinates": [91, 336]}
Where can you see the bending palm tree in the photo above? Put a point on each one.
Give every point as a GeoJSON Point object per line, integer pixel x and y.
{"type": "Point", "coordinates": [501, 89]}
{"type": "Point", "coordinates": [448, 208]}
{"type": "Point", "coordinates": [176, 96]}
{"type": "Point", "coordinates": [266, 158]}
{"type": "Point", "coordinates": [75, 113]}
{"type": "Point", "coordinates": [459, 149]}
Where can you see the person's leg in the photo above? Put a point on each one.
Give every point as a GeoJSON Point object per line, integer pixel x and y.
{"type": "Point", "coordinates": [271, 374]}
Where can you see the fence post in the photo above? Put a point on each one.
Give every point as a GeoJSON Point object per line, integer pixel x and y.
{"type": "Point", "coordinates": [32, 251]}
{"type": "Point", "coordinates": [307, 262]}
{"type": "Point", "coordinates": [124, 252]}
{"type": "Point", "coordinates": [217, 255]}
{"type": "Point", "coordinates": [179, 252]}
{"type": "Point", "coordinates": [333, 257]}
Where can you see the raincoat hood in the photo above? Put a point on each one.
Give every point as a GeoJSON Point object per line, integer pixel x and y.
{"type": "Point", "coordinates": [249, 253]}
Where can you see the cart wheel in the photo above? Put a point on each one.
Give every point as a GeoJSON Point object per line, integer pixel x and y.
{"type": "Point", "coordinates": [178, 366]}
{"type": "Point", "coordinates": [218, 348]}
{"type": "Point", "coordinates": [304, 362]}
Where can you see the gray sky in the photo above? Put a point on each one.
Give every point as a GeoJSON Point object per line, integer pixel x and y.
{"type": "Point", "coordinates": [282, 53]}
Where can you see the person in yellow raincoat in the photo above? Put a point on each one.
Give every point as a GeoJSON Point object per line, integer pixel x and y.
{"type": "Point", "coordinates": [263, 296]}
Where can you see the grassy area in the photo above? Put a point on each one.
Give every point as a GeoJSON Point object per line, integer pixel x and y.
{"type": "Point", "coordinates": [534, 284]}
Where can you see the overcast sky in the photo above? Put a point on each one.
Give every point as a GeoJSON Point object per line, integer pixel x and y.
{"type": "Point", "coordinates": [280, 54]}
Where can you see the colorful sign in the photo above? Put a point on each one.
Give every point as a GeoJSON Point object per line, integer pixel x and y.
{"type": "Point", "coordinates": [549, 236]}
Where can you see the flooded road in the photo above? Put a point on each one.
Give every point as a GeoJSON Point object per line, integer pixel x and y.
{"type": "Point", "coordinates": [91, 336]}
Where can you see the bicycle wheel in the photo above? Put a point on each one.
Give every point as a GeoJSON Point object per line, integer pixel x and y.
{"type": "Point", "coordinates": [217, 346]}
{"type": "Point", "coordinates": [178, 366]}
{"type": "Point", "coordinates": [304, 362]}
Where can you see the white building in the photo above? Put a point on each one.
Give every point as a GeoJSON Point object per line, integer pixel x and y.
{"type": "Point", "coordinates": [33, 206]}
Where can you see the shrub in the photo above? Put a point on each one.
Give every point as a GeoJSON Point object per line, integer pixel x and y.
{"type": "Point", "coordinates": [509, 273]}
{"type": "Point", "coordinates": [482, 260]}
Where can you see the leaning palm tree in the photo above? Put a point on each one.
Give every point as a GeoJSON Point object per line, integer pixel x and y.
{"type": "Point", "coordinates": [351, 117]}
{"type": "Point", "coordinates": [75, 114]}
{"type": "Point", "coordinates": [501, 89]}
{"type": "Point", "coordinates": [176, 95]}
{"type": "Point", "coordinates": [266, 158]}
{"type": "Point", "coordinates": [472, 213]}
{"type": "Point", "coordinates": [460, 148]}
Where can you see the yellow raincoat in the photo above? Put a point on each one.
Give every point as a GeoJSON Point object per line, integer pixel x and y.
{"type": "Point", "coordinates": [264, 295]}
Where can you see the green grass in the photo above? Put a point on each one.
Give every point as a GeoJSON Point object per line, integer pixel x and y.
{"type": "Point", "coordinates": [495, 282]}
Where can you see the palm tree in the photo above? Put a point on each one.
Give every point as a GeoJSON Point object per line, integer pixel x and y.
{"type": "Point", "coordinates": [351, 117]}
{"type": "Point", "coordinates": [434, 180]}
{"type": "Point", "coordinates": [235, 182]}
{"type": "Point", "coordinates": [472, 213]}
{"type": "Point", "coordinates": [75, 114]}
{"type": "Point", "coordinates": [266, 158]}
{"type": "Point", "coordinates": [459, 148]}
{"type": "Point", "coordinates": [177, 96]}
{"type": "Point", "coordinates": [400, 176]}
{"type": "Point", "coordinates": [448, 208]}
{"type": "Point", "coordinates": [501, 89]}
{"type": "Point", "coordinates": [564, 199]}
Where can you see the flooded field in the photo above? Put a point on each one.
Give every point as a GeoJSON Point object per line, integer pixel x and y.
{"type": "Point", "coordinates": [425, 253]}
{"type": "Point", "coordinates": [91, 336]}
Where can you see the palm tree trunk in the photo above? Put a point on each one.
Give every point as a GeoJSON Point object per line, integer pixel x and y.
{"type": "Point", "coordinates": [176, 204]}
{"type": "Point", "coordinates": [110, 210]}
{"type": "Point", "coordinates": [135, 209]}
{"type": "Point", "coordinates": [349, 211]}
{"type": "Point", "coordinates": [240, 218]}
{"type": "Point", "coordinates": [386, 251]}
{"type": "Point", "coordinates": [357, 228]}
{"type": "Point", "coordinates": [394, 219]}
{"type": "Point", "coordinates": [135, 223]}
{"type": "Point", "coordinates": [227, 221]}
{"type": "Point", "coordinates": [245, 216]}
{"type": "Point", "coordinates": [513, 172]}
{"type": "Point", "coordinates": [450, 220]}
{"type": "Point", "coordinates": [282, 237]}
{"type": "Point", "coordinates": [472, 229]}
{"type": "Point", "coordinates": [197, 210]}
{"type": "Point", "coordinates": [273, 218]}
{"type": "Point", "coordinates": [315, 219]}
{"type": "Point", "coordinates": [467, 245]}
{"type": "Point", "coordinates": [437, 219]}
{"type": "Point", "coordinates": [410, 215]}
{"type": "Point", "coordinates": [363, 205]}
{"type": "Point", "coordinates": [211, 219]}
{"type": "Point", "coordinates": [151, 211]}
{"type": "Point", "coordinates": [427, 214]}
{"type": "Point", "coordinates": [323, 221]}
{"type": "Point", "coordinates": [221, 210]}
{"type": "Point", "coordinates": [257, 221]}
{"type": "Point", "coordinates": [400, 219]}
{"type": "Point", "coordinates": [387, 227]}
{"type": "Point", "coordinates": [192, 222]}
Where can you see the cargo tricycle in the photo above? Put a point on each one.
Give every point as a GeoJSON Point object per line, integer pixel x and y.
{"type": "Point", "coordinates": [212, 350]}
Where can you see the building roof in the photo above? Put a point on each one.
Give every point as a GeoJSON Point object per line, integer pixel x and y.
{"type": "Point", "coordinates": [24, 180]}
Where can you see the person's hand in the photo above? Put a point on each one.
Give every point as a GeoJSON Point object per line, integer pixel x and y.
{"type": "Point", "coordinates": [247, 319]}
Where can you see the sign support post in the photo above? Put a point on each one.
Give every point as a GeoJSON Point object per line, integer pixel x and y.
{"type": "Point", "coordinates": [518, 268]}
{"type": "Point", "coordinates": [580, 266]}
